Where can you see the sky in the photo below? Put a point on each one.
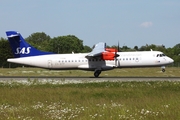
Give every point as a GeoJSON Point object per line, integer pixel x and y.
{"type": "Point", "coordinates": [129, 22]}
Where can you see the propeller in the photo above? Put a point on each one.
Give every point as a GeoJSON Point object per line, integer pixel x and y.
{"type": "Point", "coordinates": [117, 55]}
{"type": "Point", "coordinates": [118, 47]}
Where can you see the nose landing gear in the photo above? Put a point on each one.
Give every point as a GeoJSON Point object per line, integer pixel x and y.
{"type": "Point", "coordinates": [163, 68]}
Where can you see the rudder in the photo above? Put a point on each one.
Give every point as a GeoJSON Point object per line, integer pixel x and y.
{"type": "Point", "coordinates": [20, 47]}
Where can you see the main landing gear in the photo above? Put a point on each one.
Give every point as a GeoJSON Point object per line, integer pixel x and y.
{"type": "Point", "coordinates": [97, 73]}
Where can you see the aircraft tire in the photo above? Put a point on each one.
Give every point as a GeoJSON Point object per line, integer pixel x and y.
{"type": "Point", "coordinates": [163, 70]}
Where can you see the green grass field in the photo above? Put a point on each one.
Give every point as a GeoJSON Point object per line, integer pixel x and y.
{"type": "Point", "coordinates": [129, 72]}
{"type": "Point", "coordinates": [157, 100]}
{"type": "Point", "coordinates": [100, 101]}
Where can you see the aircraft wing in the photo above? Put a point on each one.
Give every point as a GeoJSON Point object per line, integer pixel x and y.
{"type": "Point", "coordinates": [97, 51]}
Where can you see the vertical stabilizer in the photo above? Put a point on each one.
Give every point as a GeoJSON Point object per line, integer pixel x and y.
{"type": "Point", "coordinates": [20, 47]}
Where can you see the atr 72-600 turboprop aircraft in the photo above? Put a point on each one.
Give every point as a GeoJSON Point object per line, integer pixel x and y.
{"type": "Point", "coordinates": [100, 59]}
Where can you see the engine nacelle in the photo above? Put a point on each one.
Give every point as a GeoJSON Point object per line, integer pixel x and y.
{"type": "Point", "coordinates": [108, 56]}
{"type": "Point", "coordinates": [111, 50]}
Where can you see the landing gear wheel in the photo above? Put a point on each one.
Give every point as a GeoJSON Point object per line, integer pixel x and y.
{"type": "Point", "coordinates": [163, 70]}
{"type": "Point", "coordinates": [97, 73]}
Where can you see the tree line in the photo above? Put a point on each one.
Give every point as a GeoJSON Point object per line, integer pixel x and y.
{"type": "Point", "coordinates": [71, 43]}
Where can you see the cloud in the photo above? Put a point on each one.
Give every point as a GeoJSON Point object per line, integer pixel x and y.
{"type": "Point", "coordinates": [146, 24]}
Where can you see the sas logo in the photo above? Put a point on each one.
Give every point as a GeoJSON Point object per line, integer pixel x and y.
{"type": "Point", "coordinates": [23, 50]}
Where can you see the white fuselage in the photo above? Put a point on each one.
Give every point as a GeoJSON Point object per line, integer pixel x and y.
{"type": "Point", "coordinates": [79, 61]}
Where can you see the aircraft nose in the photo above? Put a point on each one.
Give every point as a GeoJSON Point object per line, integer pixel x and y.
{"type": "Point", "coordinates": [171, 60]}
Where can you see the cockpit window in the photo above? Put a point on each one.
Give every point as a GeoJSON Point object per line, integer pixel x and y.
{"type": "Point", "coordinates": [160, 55]}
{"type": "Point", "coordinates": [163, 55]}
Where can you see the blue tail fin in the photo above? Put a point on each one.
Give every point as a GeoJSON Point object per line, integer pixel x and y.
{"type": "Point", "coordinates": [20, 47]}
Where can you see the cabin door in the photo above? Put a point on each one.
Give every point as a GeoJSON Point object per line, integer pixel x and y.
{"type": "Point", "coordinates": [49, 63]}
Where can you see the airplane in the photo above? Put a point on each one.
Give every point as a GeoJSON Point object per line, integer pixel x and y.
{"type": "Point", "coordinates": [98, 60]}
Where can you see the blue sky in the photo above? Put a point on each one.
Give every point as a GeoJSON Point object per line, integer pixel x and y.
{"type": "Point", "coordinates": [131, 22]}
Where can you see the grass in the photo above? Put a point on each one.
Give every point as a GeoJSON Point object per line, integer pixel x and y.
{"type": "Point", "coordinates": [38, 100]}
{"type": "Point", "coordinates": [137, 72]}
{"type": "Point", "coordinates": [102, 101]}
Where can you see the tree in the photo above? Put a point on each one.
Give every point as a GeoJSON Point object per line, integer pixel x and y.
{"type": "Point", "coordinates": [142, 48]}
{"type": "Point", "coordinates": [39, 40]}
{"type": "Point", "coordinates": [86, 49]}
{"type": "Point", "coordinates": [125, 48]}
{"type": "Point", "coordinates": [136, 48]}
{"type": "Point", "coordinates": [176, 49]}
{"type": "Point", "coordinates": [152, 47]}
{"type": "Point", "coordinates": [66, 44]}
{"type": "Point", "coordinates": [177, 46]}
{"type": "Point", "coordinates": [5, 52]}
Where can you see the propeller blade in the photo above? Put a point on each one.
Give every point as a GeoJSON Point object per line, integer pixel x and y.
{"type": "Point", "coordinates": [117, 55]}
{"type": "Point", "coordinates": [118, 47]}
